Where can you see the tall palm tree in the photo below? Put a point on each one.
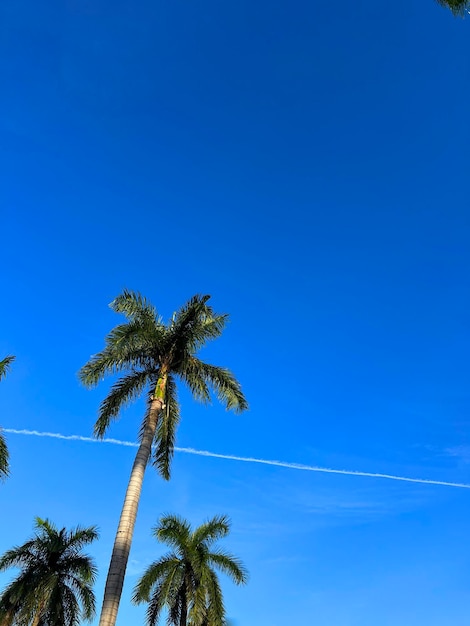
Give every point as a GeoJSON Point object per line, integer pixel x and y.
{"type": "Point", "coordinates": [458, 7]}
{"type": "Point", "coordinates": [54, 586]}
{"type": "Point", "coordinates": [185, 581]}
{"type": "Point", "coordinates": [4, 456]}
{"type": "Point", "coordinates": [152, 356]}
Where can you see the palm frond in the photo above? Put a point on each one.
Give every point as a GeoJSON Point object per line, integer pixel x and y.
{"type": "Point", "coordinates": [165, 433]}
{"type": "Point", "coordinates": [196, 333]}
{"type": "Point", "coordinates": [224, 384]}
{"type": "Point", "coordinates": [134, 306]}
{"type": "Point", "coordinates": [80, 537]}
{"type": "Point", "coordinates": [164, 592]}
{"type": "Point", "coordinates": [229, 565]}
{"type": "Point", "coordinates": [198, 609]}
{"type": "Point", "coordinates": [175, 608]}
{"type": "Point", "coordinates": [215, 601]}
{"type": "Point", "coordinates": [62, 607]}
{"type": "Point", "coordinates": [192, 327]}
{"type": "Point", "coordinates": [191, 373]}
{"type": "Point", "coordinates": [186, 315]}
{"type": "Point", "coordinates": [124, 391]}
{"type": "Point", "coordinates": [215, 528]}
{"type": "Point", "coordinates": [45, 526]}
{"type": "Point", "coordinates": [16, 557]}
{"type": "Point", "coordinates": [4, 458]}
{"type": "Point", "coordinates": [79, 571]}
{"type": "Point", "coordinates": [157, 602]}
{"type": "Point", "coordinates": [183, 329]}
{"type": "Point", "coordinates": [87, 599]}
{"type": "Point", "coordinates": [173, 530]}
{"type": "Point", "coordinates": [127, 347]}
{"type": "Point", "coordinates": [155, 572]}
{"type": "Point", "coordinates": [5, 365]}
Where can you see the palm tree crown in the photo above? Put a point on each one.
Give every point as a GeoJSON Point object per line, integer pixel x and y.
{"type": "Point", "coordinates": [4, 455]}
{"type": "Point", "coordinates": [184, 580]}
{"type": "Point", "coordinates": [151, 356]}
{"type": "Point", "coordinates": [54, 586]}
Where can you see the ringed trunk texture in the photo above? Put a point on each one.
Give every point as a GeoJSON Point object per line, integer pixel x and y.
{"type": "Point", "coordinates": [122, 543]}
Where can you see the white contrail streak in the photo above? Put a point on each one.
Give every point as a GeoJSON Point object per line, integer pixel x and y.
{"type": "Point", "coordinates": [243, 459]}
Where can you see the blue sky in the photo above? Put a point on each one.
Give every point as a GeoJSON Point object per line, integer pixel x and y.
{"type": "Point", "coordinates": [307, 165]}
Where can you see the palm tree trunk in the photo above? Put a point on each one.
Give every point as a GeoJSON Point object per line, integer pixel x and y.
{"type": "Point", "coordinates": [122, 543]}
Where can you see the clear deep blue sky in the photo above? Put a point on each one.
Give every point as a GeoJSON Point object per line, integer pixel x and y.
{"type": "Point", "coordinates": [307, 164]}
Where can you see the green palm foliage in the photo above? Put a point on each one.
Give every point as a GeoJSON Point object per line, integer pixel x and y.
{"type": "Point", "coordinates": [458, 7]}
{"type": "Point", "coordinates": [185, 581]}
{"type": "Point", "coordinates": [54, 586]}
{"type": "Point", "coordinates": [150, 357]}
{"type": "Point", "coordinates": [5, 365]}
{"type": "Point", "coordinates": [4, 456]}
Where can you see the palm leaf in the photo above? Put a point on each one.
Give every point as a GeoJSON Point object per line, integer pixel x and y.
{"type": "Point", "coordinates": [192, 326]}
{"type": "Point", "coordinates": [124, 391]}
{"type": "Point", "coordinates": [4, 458]}
{"type": "Point", "coordinates": [5, 365]}
{"type": "Point", "coordinates": [215, 602]}
{"type": "Point", "coordinates": [134, 306]}
{"type": "Point", "coordinates": [156, 604]}
{"type": "Point", "coordinates": [165, 434]}
{"type": "Point", "coordinates": [193, 376]}
{"type": "Point", "coordinates": [229, 565]}
{"type": "Point", "coordinates": [155, 572]}
{"type": "Point", "coordinates": [224, 384]}
{"type": "Point", "coordinates": [174, 531]}
{"type": "Point", "coordinates": [166, 593]}
{"type": "Point", "coordinates": [126, 349]}
{"type": "Point", "coordinates": [212, 530]}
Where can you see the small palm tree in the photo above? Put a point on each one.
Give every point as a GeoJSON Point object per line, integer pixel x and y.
{"type": "Point", "coordinates": [4, 456]}
{"type": "Point", "coordinates": [54, 586]}
{"type": "Point", "coordinates": [458, 7]}
{"type": "Point", "coordinates": [152, 355]}
{"type": "Point", "coordinates": [184, 581]}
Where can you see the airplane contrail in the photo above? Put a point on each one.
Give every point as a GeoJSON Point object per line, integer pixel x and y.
{"type": "Point", "coordinates": [243, 459]}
